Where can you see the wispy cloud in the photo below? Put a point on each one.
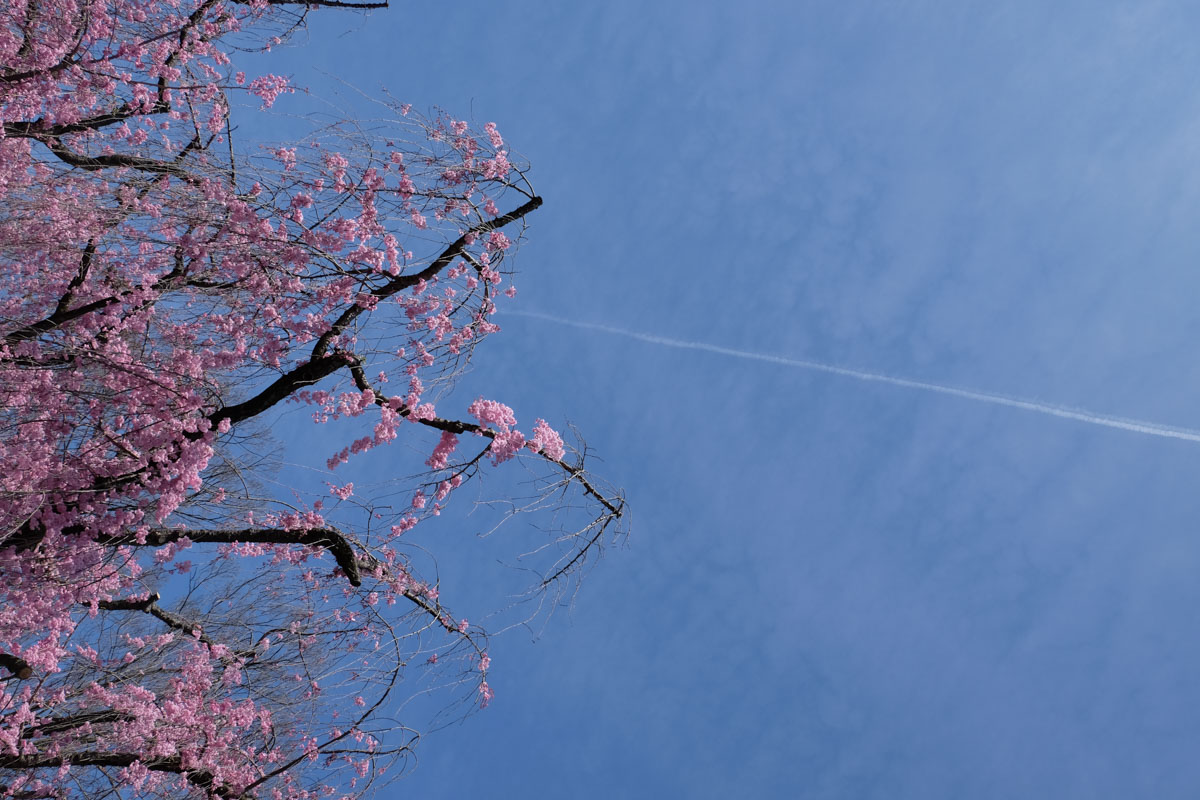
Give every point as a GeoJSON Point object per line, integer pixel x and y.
{"type": "Point", "coordinates": [1065, 412]}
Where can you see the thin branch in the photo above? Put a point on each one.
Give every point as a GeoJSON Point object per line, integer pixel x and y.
{"type": "Point", "coordinates": [615, 507]}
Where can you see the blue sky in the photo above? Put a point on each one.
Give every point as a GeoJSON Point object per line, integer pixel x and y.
{"type": "Point", "coordinates": [836, 588]}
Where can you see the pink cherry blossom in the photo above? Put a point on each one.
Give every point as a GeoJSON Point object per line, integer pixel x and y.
{"type": "Point", "coordinates": [168, 294]}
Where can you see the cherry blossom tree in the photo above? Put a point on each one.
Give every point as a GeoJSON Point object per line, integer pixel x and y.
{"type": "Point", "coordinates": [167, 293]}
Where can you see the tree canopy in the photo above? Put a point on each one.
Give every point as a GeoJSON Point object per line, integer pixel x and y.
{"type": "Point", "coordinates": [167, 290]}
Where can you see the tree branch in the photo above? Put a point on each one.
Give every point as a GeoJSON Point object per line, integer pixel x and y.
{"type": "Point", "coordinates": [200, 778]}
{"type": "Point", "coordinates": [115, 160]}
{"type": "Point", "coordinates": [615, 507]}
{"type": "Point", "coordinates": [327, 538]}
{"type": "Point", "coordinates": [304, 375]}
{"type": "Point", "coordinates": [323, 363]}
{"type": "Point", "coordinates": [150, 606]}
{"type": "Point", "coordinates": [43, 727]}
{"type": "Point", "coordinates": [17, 666]}
{"type": "Point", "coordinates": [402, 282]}
{"type": "Point", "coordinates": [37, 128]}
{"type": "Point", "coordinates": [325, 3]}
{"type": "Point", "coordinates": [63, 313]}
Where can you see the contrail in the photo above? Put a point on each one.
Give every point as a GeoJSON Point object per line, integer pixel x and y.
{"type": "Point", "coordinates": [1079, 414]}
